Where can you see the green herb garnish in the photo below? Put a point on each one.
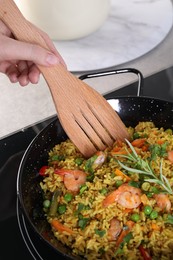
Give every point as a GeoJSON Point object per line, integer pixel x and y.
{"type": "Point", "coordinates": [81, 207]}
{"type": "Point", "coordinates": [142, 167]}
{"type": "Point", "coordinates": [83, 188]}
{"type": "Point", "coordinates": [169, 219]}
{"type": "Point", "coordinates": [57, 157]}
{"type": "Point", "coordinates": [79, 161]}
{"type": "Point", "coordinates": [89, 164]}
{"type": "Point", "coordinates": [103, 191]}
{"type": "Point", "coordinates": [100, 233]}
{"type": "Point", "coordinates": [158, 150]}
{"type": "Point", "coordinates": [126, 240]}
{"type": "Point", "coordinates": [134, 184]}
{"type": "Point", "coordinates": [83, 222]}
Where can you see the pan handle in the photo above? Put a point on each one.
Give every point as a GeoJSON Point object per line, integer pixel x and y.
{"type": "Point", "coordinates": [118, 71]}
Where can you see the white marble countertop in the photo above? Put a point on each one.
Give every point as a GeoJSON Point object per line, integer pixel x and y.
{"type": "Point", "coordinates": [21, 107]}
{"type": "Point", "coordinates": [131, 29]}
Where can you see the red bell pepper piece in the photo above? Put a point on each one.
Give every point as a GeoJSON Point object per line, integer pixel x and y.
{"type": "Point", "coordinates": [43, 170]}
{"type": "Point", "coordinates": [144, 253]}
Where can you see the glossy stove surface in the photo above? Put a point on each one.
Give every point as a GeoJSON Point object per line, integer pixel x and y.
{"type": "Point", "coordinates": [17, 238]}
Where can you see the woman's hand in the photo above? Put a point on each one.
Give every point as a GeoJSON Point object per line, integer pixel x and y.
{"type": "Point", "coordinates": [18, 59]}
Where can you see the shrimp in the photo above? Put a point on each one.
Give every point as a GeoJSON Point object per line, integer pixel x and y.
{"type": "Point", "coordinates": [101, 158]}
{"type": "Point", "coordinates": [96, 161]}
{"type": "Point", "coordinates": [114, 229]}
{"type": "Point", "coordinates": [127, 196]}
{"type": "Point", "coordinates": [73, 179]}
{"type": "Point", "coordinates": [163, 202]}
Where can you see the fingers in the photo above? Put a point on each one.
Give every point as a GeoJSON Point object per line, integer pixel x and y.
{"type": "Point", "coordinates": [12, 49]}
{"type": "Point", "coordinates": [19, 60]}
{"type": "Point", "coordinates": [15, 57]}
{"type": "Point", "coordinates": [12, 73]}
{"type": "Point", "coordinates": [4, 29]}
{"type": "Point", "coordinates": [34, 74]}
{"type": "Point", "coordinates": [50, 44]}
{"type": "Point", "coordinates": [23, 73]}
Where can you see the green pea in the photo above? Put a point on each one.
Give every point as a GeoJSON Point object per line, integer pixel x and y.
{"type": "Point", "coordinates": [154, 214]}
{"type": "Point", "coordinates": [62, 209]}
{"type": "Point", "coordinates": [135, 217]}
{"type": "Point", "coordinates": [46, 204]}
{"type": "Point", "coordinates": [103, 191]}
{"type": "Point", "coordinates": [147, 210]}
{"type": "Point", "coordinates": [118, 183]}
{"type": "Point", "coordinates": [68, 197]}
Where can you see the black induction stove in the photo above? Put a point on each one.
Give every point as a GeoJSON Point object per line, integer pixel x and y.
{"type": "Point", "coordinates": [17, 240]}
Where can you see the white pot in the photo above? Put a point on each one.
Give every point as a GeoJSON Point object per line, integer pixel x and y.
{"type": "Point", "coordinates": [66, 19]}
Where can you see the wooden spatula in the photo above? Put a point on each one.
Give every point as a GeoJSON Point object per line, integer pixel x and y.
{"type": "Point", "coordinates": [88, 119]}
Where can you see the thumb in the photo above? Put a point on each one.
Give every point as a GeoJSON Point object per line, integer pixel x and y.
{"type": "Point", "coordinates": [12, 49]}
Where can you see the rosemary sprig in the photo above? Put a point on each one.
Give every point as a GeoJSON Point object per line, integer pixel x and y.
{"type": "Point", "coordinates": [144, 168]}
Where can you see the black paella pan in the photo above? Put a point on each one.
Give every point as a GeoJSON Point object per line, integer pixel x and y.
{"type": "Point", "coordinates": [131, 110]}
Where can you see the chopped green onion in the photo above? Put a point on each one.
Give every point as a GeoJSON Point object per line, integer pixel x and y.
{"type": "Point", "coordinates": [103, 191]}
{"type": "Point", "coordinates": [57, 157]}
{"type": "Point", "coordinates": [83, 222]}
{"type": "Point", "coordinates": [154, 190]}
{"type": "Point", "coordinates": [79, 161]}
{"type": "Point", "coordinates": [143, 167]}
{"type": "Point", "coordinates": [119, 251]}
{"type": "Point", "coordinates": [158, 150]}
{"type": "Point", "coordinates": [136, 135]}
{"type": "Point", "coordinates": [126, 240]}
{"type": "Point", "coordinates": [118, 183]}
{"type": "Point", "coordinates": [169, 219]}
{"type": "Point", "coordinates": [149, 194]}
{"type": "Point", "coordinates": [90, 177]}
{"type": "Point", "coordinates": [128, 237]}
{"type": "Point", "coordinates": [83, 188]}
{"type": "Point", "coordinates": [100, 233]}
{"type": "Point", "coordinates": [134, 184]}
{"type": "Point", "coordinates": [81, 207]}
{"type": "Point", "coordinates": [89, 163]}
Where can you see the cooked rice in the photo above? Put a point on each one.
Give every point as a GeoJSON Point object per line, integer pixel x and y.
{"type": "Point", "coordinates": [87, 242]}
